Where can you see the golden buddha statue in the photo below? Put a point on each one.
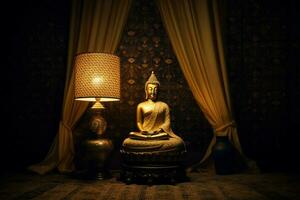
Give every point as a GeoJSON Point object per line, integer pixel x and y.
{"type": "Point", "coordinates": [154, 124]}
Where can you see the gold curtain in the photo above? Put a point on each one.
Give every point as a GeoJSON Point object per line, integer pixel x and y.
{"type": "Point", "coordinates": [193, 27]}
{"type": "Point", "coordinates": [96, 26]}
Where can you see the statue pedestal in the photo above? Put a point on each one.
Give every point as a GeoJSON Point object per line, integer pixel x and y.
{"type": "Point", "coordinates": [153, 174]}
{"type": "Point", "coordinates": [150, 168]}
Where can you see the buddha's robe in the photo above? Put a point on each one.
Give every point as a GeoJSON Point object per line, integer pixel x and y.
{"type": "Point", "coordinates": [157, 118]}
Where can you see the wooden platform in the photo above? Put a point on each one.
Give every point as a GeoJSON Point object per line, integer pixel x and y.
{"type": "Point", "coordinates": [201, 186]}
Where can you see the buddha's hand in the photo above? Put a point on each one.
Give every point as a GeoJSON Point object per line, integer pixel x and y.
{"type": "Point", "coordinates": [154, 132]}
{"type": "Point", "coordinates": [146, 133]}
{"type": "Point", "coordinates": [150, 133]}
{"type": "Point", "coordinates": [159, 131]}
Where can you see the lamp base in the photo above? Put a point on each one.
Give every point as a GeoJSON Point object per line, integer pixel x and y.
{"type": "Point", "coordinates": [92, 175]}
{"type": "Point", "coordinates": [103, 174]}
{"type": "Point", "coordinates": [99, 174]}
{"type": "Point", "coordinates": [96, 148]}
{"type": "Point", "coordinates": [96, 153]}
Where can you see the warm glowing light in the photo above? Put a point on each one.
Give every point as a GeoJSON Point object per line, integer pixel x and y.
{"type": "Point", "coordinates": [97, 80]}
{"type": "Point", "coordinates": [97, 75]}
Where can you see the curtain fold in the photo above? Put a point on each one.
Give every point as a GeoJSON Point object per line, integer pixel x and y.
{"type": "Point", "coordinates": [194, 29]}
{"type": "Point", "coordinates": [95, 26]}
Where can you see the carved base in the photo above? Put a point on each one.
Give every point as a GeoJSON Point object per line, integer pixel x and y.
{"type": "Point", "coordinates": [150, 174]}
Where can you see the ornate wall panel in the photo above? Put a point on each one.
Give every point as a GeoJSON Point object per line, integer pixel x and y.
{"type": "Point", "coordinates": [145, 47]}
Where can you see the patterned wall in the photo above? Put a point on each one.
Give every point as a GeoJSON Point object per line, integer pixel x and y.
{"type": "Point", "coordinates": [145, 47]}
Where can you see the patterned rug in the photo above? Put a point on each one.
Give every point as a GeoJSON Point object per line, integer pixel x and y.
{"type": "Point", "coordinates": [201, 186]}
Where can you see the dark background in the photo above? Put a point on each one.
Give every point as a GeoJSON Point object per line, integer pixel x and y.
{"type": "Point", "coordinates": [262, 50]}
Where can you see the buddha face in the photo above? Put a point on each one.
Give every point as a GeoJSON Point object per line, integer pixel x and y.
{"type": "Point", "coordinates": [152, 90]}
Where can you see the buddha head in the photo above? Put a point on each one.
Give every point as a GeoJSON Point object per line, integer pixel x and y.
{"type": "Point", "coordinates": [151, 87]}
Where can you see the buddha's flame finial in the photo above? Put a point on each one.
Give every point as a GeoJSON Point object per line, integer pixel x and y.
{"type": "Point", "coordinates": [152, 79]}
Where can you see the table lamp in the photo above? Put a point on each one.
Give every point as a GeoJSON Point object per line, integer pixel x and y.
{"type": "Point", "coordinates": [97, 79]}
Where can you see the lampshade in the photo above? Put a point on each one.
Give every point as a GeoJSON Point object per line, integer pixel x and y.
{"type": "Point", "coordinates": [97, 75]}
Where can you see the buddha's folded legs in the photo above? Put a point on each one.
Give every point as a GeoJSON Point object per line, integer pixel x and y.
{"type": "Point", "coordinates": [170, 144]}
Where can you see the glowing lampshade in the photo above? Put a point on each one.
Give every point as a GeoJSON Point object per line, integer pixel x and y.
{"type": "Point", "coordinates": [97, 77]}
